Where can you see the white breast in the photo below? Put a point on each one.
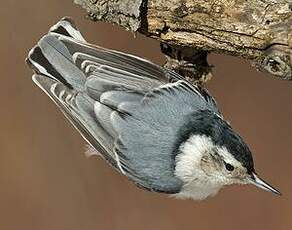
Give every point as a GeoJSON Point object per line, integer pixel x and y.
{"type": "Point", "coordinates": [197, 191]}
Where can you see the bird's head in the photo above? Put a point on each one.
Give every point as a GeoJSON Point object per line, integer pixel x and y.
{"type": "Point", "coordinates": [211, 155]}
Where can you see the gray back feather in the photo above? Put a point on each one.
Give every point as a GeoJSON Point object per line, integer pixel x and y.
{"type": "Point", "coordinates": [127, 108]}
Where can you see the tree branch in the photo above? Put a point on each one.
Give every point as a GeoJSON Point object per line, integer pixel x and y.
{"type": "Point", "coordinates": [260, 31]}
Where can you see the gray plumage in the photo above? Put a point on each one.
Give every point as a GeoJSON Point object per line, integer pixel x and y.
{"type": "Point", "coordinates": [129, 109]}
{"type": "Point", "coordinates": [111, 97]}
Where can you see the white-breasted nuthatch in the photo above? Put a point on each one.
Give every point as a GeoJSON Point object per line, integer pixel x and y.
{"type": "Point", "coordinates": [150, 124]}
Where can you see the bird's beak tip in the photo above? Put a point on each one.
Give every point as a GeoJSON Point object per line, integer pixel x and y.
{"type": "Point", "coordinates": [255, 180]}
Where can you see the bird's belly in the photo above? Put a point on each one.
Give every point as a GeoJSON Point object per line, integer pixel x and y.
{"type": "Point", "coordinates": [197, 190]}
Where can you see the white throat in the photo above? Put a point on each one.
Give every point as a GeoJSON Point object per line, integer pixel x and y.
{"type": "Point", "coordinates": [197, 184]}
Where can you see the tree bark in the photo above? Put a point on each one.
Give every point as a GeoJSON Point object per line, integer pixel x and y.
{"type": "Point", "coordinates": [257, 30]}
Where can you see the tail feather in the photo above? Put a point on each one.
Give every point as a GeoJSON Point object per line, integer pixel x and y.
{"type": "Point", "coordinates": [94, 87]}
{"type": "Point", "coordinates": [67, 28]}
{"type": "Point", "coordinates": [59, 77]}
{"type": "Point", "coordinates": [78, 109]}
{"type": "Point", "coordinates": [50, 57]}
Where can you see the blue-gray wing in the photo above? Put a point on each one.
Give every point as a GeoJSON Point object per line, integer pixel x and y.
{"type": "Point", "coordinates": [127, 108]}
{"type": "Point", "coordinates": [147, 129]}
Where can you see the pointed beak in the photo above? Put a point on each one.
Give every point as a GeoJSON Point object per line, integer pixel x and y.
{"type": "Point", "coordinates": [254, 179]}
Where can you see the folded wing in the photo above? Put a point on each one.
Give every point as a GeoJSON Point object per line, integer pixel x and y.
{"type": "Point", "coordinates": [127, 108]}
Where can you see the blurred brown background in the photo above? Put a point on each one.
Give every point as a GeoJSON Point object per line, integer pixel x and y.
{"type": "Point", "coordinates": [47, 183]}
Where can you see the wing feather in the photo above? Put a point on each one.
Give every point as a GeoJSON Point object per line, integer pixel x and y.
{"type": "Point", "coordinates": [79, 114]}
{"type": "Point", "coordinates": [127, 108]}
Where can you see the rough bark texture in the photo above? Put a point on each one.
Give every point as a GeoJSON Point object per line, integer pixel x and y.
{"type": "Point", "coordinates": [125, 13]}
{"type": "Point", "coordinates": [260, 31]}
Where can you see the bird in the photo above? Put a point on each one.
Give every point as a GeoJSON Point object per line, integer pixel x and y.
{"type": "Point", "coordinates": [163, 133]}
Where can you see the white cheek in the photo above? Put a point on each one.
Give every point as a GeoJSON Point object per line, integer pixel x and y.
{"type": "Point", "coordinates": [197, 185]}
{"type": "Point", "coordinates": [189, 159]}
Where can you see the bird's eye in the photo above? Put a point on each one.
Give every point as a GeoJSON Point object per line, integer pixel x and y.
{"type": "Point", "coordinates": [229, 167]}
